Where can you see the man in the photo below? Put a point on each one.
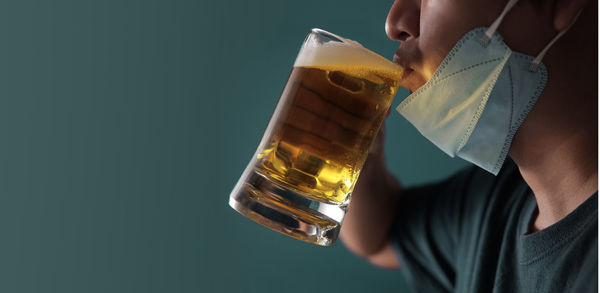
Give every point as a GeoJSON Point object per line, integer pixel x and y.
{"type": "Point", "coordinates": [533, 226]}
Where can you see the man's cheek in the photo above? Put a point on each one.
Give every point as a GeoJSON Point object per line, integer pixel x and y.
{"type": "Point", "coordinates": [431, 61]}
{"type": "Point", "coordinates": [433, 51]}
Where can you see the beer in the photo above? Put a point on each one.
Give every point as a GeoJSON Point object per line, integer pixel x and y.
{"type": "Point", "coordinates": [300, 179]}
{"type": "Point", "coordinates": [327, 119]}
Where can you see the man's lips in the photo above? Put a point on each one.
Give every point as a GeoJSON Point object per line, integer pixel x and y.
{"type": "Point", "coordinates": [402, 62]}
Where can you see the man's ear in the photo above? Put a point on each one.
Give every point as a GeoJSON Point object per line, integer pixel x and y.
{"type": "Point", "coordinates": [565, 12]}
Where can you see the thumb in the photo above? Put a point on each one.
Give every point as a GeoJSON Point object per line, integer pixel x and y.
{"type": "Point", "coordinates": [378, 143]}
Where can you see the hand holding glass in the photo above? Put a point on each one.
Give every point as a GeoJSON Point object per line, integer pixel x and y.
{"type": "Point", "coordinates": [301, 177]}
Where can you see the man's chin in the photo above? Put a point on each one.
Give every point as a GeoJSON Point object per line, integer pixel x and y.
{"type": "Point", "coordinates": [411, 81]}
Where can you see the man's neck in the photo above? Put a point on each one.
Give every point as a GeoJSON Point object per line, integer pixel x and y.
{"type": "Point", "coordinates": [560, 181]}
{"type": "Point", "coordinates": [558, 159]}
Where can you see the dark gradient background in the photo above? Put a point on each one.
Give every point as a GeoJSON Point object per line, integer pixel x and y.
{"type": "Point", "coordinates": [125, 124]}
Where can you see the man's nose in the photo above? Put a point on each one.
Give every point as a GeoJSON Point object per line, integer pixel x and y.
{"type": "Point", "coordinates": [402, 22]}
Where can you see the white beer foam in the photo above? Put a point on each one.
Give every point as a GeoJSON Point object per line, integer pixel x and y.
{"type": "Point", "coordinates": [342, 54]}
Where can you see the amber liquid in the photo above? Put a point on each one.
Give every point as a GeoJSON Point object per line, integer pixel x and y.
{"type": "Point", "coordinates": [323, 127]}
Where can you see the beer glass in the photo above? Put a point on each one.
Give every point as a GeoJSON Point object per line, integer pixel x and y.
{"type": "Point", "coordinates": [301, 177]}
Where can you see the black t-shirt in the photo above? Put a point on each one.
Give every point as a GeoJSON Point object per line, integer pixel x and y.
{"type": "Point", "coordinates": [469, 234]}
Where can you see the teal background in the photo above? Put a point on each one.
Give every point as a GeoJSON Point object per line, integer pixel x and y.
{"type": "Point", "coordinates": [125, 124]}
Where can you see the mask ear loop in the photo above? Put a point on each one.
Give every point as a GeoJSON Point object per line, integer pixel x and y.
{"type": "Point", "coordinates": [538, 59]}
{"type": "Point", "coordinates": [492, 29]}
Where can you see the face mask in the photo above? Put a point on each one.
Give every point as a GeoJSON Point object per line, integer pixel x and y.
{"type": "Point", "coordinates": [478, 97]}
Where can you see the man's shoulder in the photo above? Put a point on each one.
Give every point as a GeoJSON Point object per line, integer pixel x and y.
{"type": "Point", "coordinates": [476, 188]}
{"type": "Point", "coordinates": [478, 180]}
{"type": "Point", "coordinates": [441, 228]}
{"type": "Point", "coordinates": [482, 194]}
{"type": "Point", "coordinates": [469, 189]}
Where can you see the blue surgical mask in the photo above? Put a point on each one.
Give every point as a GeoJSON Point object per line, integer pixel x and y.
{"type": "Point", "coordinates": [478, 97]}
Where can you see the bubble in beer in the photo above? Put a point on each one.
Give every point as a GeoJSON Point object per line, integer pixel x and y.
{"type": "Point", "coordinates": [330, 110]}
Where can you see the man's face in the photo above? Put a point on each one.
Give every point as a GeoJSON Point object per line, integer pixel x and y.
{"type": "Point", "coordinates": [428, 29]}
